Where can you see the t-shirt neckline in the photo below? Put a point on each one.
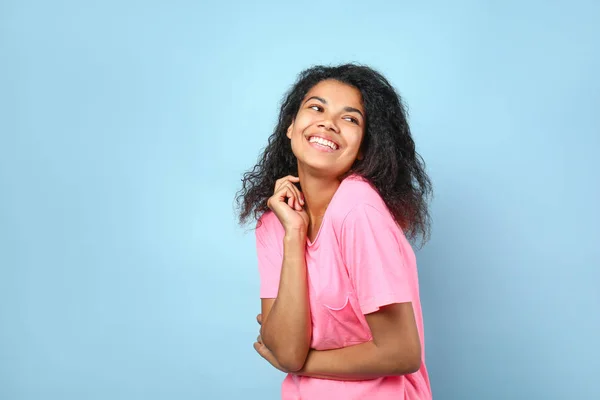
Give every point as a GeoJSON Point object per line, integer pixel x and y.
{"type": "Point", "coordinates": [308, 242]}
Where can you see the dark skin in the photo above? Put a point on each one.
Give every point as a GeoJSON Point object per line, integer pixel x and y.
{"type": "Point", "coordinates": [394, 350]}
{"type": "Point", "coordinates": [287, 333]}
{"type": "Point", "coordinates": [333, 113]}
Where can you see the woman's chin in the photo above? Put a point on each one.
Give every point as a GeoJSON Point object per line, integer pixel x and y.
{"type": "Point", "coordinates": [321, 168]}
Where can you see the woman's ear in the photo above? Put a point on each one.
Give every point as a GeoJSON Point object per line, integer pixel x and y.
{"type": "Point", "coordinates": [289, 130]}
{"type": "Point", "coordinates": [360, 156]}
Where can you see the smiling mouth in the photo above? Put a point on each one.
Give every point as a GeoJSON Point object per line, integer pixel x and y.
{"type": "Point", "coordinates": [323, 142]}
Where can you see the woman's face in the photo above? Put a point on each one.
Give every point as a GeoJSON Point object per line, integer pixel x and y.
{"type": "Point", "coordinates": [328, 129]}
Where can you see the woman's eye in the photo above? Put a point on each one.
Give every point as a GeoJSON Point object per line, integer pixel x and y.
{"type": "Point", "coordinates": [316, 108]}
{"type": "Point", "coordinates": [352, 119]}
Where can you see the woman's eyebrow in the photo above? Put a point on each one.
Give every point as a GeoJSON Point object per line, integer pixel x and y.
{"type": "Point", "coordinates": [352, 109]}
{"type": "Point", "coordinates": [322, 100]}
{"type": "Point", "coordinates": [347, 108]}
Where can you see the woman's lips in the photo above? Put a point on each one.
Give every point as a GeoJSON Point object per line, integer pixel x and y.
{"type": "Point", "coordinates": [321, 147]}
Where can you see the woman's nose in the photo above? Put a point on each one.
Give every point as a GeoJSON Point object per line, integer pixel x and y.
{"type": "Point", "coordinates": [328, 124]}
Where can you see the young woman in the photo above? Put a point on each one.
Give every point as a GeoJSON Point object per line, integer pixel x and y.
{"type": "Point", "coordinates": [337, 193]}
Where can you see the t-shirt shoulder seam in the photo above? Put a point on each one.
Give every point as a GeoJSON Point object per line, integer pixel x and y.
{"type": "Point", "coordinates": [361, 204]}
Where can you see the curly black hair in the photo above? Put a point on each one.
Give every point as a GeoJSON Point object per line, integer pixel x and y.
{"type": "Point", "coordinates": [390, 162]}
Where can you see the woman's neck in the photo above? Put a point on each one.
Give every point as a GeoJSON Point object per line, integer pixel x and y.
{"type": "Point", "coordinates": [318, 192]}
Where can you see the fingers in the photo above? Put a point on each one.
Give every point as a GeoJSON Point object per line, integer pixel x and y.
{"type": "Point", "coordinates": [294, 203]}
{"type": "Point", "coordinates": [258, 348]}
{"type": "Point", "coordinates": [262, 350]}
{"type": "Point", "coordinates": [284, 188]}
{"type": "Point", "coordinates": [289, 178]}
{"type": "Point", "coordinates": [289, 195]}
{"type": "Point", "coordinates": [287, 192]}
{"type": "Point", "coordinates": [259, 320]}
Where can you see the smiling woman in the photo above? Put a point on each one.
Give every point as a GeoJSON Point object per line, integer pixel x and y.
{"type": "Point", "coordinates": [329, 121]}
{"type": "Point", "coordinates": [337, 193]}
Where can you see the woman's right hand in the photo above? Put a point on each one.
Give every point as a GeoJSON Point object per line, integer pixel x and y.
{"type": "Point", "coordinates": [287, 203]}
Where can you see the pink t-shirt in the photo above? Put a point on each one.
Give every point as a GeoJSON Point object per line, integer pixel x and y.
{"type": "Point", "coordinates": [359, 261]}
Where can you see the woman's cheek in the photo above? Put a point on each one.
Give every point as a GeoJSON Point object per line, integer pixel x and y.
{"type": "Point", "coordinates": [355, 144]}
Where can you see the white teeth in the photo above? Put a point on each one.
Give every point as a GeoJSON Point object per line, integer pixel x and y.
{"type": "Point", "coordinates": [324, 142]}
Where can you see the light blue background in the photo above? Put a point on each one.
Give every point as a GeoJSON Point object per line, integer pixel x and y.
{"type": "Point", "coordinates": [124, 130]}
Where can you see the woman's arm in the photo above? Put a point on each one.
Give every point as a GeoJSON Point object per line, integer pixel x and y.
{"type": "Point", "coordinates": [380, 265]}
{"type": "Point", "coordinates": [394, 350]}
{"type": "Point", "coordinates": [286, 328]}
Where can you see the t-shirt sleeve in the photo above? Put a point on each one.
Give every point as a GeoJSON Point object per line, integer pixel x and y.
{"type": "Point", "coordinates": [372, 250]}
{"type": "Point", "coordinates": [269, 261]}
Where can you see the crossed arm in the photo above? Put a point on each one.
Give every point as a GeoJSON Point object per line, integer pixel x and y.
{"type": "Point", "coordinates": [394, 350]}
{"type": "Point", "coordinates": [285, 332]}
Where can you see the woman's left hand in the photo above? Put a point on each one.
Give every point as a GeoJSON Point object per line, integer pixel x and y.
{"type": "Point", "coordinates": [267, 355]}
{"type": "Point", "coordinates": [263, 351]}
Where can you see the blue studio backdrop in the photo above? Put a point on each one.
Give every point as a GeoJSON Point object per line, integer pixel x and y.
{"type": "Point", "coordinates": [125, 127]}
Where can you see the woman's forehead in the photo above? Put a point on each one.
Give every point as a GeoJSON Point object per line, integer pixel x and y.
{"type": "Point", "coordinates": [336, 92]}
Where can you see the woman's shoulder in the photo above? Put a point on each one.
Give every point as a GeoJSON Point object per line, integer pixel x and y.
{"type": "Point", "coordinates": [356, 191]}
{"type": "Point", "coordinates": [361, 206]}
